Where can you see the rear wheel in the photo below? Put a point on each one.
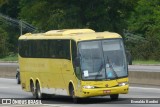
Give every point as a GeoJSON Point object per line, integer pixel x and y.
{"type": "Point", "coordinates": [114, 96]}
{"type": "Point", "coordinates": [32, 88]}
{"type": "Point", "coordinates": [38, 91]}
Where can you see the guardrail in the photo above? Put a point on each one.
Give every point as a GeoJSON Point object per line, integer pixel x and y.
{"type": "Point", "coordinates": [147, 78]}
{"type": "Point", "coordinates": [8, 71]}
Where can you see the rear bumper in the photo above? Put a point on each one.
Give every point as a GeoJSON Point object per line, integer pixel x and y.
{"type": "Point", "coordinates": [103, 91]}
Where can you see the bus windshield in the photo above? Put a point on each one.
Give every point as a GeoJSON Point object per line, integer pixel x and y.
{"type": "Point", "coordinates": [102, 59]}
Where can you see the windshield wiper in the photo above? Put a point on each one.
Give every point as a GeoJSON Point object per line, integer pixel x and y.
{"type": "Point", "coordinates": [111, 67]}
{"type": "Point", "coordinates": [100, 69]}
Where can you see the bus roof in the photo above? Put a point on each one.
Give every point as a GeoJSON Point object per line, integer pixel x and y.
{"type": "Point", "coordinates": [75, 34]}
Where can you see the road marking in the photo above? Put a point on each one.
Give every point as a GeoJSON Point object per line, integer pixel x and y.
{"type": "Point", "coordinates": [32, 105]}
{"type": "Point", "coordinates": [145, 88]}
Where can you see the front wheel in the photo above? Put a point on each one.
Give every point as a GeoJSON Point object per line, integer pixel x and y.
{"type": "Point", "coordinates": [72, 94]}
{"type": "Point", "coordinates": [114, 96]}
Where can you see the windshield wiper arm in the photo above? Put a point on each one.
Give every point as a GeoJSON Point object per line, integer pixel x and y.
{"type": "Point", "coordinates": [100, 69]}
{"type": "Point", "coordinates": [114, 71]}
{"type": "Point", "coordinates": [111, 67]}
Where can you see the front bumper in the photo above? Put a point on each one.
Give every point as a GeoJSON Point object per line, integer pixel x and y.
{"type": "Point", "coordinates": [103, 91]}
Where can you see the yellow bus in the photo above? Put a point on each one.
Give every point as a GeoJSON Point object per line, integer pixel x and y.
{"type": "Point", "coordinates": [79, 63]}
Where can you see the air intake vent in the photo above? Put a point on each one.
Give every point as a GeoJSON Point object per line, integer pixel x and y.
{"type": "Point", "coordinates": [68, 31]}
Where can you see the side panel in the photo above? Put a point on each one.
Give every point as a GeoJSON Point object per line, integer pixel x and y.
{"type": "Point", "coordinates": [68, 74]}
{"type": "Point", "coordinates": [54, 75]}
{"type": "Point", "coordinates": [48, 71]}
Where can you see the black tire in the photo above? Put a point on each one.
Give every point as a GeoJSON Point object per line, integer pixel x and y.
{"type": "Point", "coordinates": [38, 91]}
{"type": "Point", "coordinates": [18, 79]}
{"type": "Point", "coordinates": [114, 96]}
{"type": "Point", "coordinates": [32, 88]}
{"type": "Point", "coordinates": [75, 99]}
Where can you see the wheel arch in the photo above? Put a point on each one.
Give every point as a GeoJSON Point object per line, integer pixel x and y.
{"type": "Point", "coordinates": [70, 85]}
{"type": "Point", "coordinates": [31, 81]}
{"type": "Point", "coordinates": [37, 81]}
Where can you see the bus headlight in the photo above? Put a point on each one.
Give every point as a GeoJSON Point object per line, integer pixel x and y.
{"type": "Point", "coordinates": [123, 83]}
{"type": "Point", "coordinates": [88, 87]}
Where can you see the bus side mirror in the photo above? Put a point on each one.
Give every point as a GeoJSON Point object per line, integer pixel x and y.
{"type": "Point", "coordinates": [77, 62]}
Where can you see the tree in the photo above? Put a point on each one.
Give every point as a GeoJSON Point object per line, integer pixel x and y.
{"type": "Point", "coordinates": [144, 21]}
{"type": "Point", "coordinates": [3, 43]}
{"type": "Point", "coordinates": [2, 2]}
{"type": "Point", "coordinates": [9, 7]}
{"type": "Point", "coordinates": [100, 15]}
{"type": "Point", "coordinates": [145, 16]}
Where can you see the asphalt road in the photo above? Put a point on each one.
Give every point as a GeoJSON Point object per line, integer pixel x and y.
{"type": "Point", "coordinates": [9, 89]}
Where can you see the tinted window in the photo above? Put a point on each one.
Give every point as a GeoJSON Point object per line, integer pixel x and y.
{"type": "Point", "coordinates": [74, 50]}
{"type": "Point", "coordinates": [45, 48]}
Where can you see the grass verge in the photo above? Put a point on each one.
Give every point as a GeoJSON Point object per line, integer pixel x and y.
{"type": "Point", "coordinates": [135, 62]}
{"type": "Point", "coordinates": [10, 58]}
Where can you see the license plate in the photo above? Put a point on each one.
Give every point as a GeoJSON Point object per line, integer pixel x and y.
{"type": "Point", "coordinates": [106, 91]}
